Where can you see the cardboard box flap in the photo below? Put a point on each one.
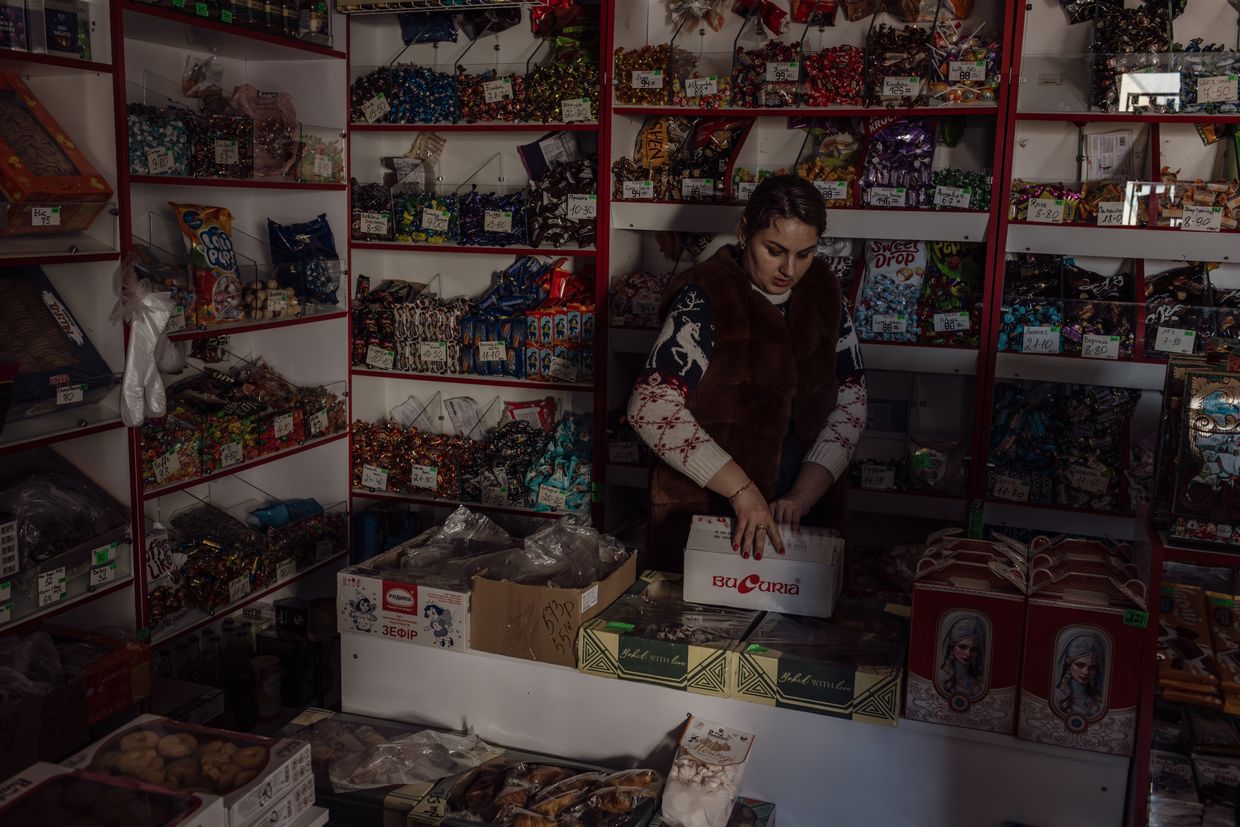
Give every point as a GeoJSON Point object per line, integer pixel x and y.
{"type": "Point", "coordinates": [991, 577]}
{"type": "Point", "coordinates": [1087, 589]}
{"type": "Point", "coordinates": [809, 545]}
{"type": "Point", "coordinates": [1079, 545]}
{"type": "Point", "coordinates": [1086, 564]}
{"type": "Point", "coordinates": [977, 557]}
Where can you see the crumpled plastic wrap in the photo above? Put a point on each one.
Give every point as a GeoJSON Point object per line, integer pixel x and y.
{"type": "Point", "coordinates": [675, 621]}
{"type": "Point", "coordinates": [854, 635]}
{"type": "Point", "coordinates": [147, 311]}
{"type": "Point", "coordinates": [56, 512]}
{"type": "Point", "coordinates": [29, 668]}
{"type": "Point", "coordinates": [420, 756]}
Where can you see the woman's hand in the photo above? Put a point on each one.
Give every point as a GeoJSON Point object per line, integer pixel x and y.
{"type": "Point", "coordinates": [790, 508]}
{"type": "Point", "coordinates": [754, 524]}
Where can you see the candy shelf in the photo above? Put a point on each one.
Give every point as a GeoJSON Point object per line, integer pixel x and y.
{"type": "Point", "coordinates": [926, 505]}
{"type": "Point", "coordinates": [1125, 373]}
{"type": "Point", "coordinates": [23, 259]}
{"type": "Point", "coordinates": [59, 427]}
{"type": "Point", "coordinates": [255, 326]}
{"type": "Point", "coordinates": [166, 26]}
{"type": "Point", "coordinates": [1129, 117]}
{"type": "Point", "coordinates": [496, 126]}
{"type": "Point", "coordinates": [180, 485]}
{"type": "Point", "coordinates": [452, 248]}
{"type": "Point", "coordinates": [471, 379]}
{"type": "Point", "coordinates": [438, 502]}
{"type": "Point", "coordinates": [77, 598]}
{"type": "Point", "coordinates": [809, 112]}
{"type": "Point", "coordinates": [233, 183]}
{"type": "Point", "coordinates": [1164, 243]}
{"type": "Point", "coordinates": [30, 64]}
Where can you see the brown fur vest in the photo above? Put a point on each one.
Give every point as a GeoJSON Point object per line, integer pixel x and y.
{"type": "Point", "coordinates": [765, 372]}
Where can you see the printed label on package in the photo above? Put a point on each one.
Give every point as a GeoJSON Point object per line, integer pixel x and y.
{"type": "Point", "coordinates": [1111, 214]}
{"type": "Point", "coordinates": [375, 108]}
{"type": "Point", "coordinates": [105, 554]}
{"type": "Point", "coordinates": [1089, 480]}
{"type": "Point", "coordinates": [890, 324]}
{"type": "Point", "coordinates": [1011, 488]}
{"type": "Point", "coordinates": [888, 197]}
{"type": "Point", "coordinates": [70, 394]}
{"type": "Point", "coordinates": [373, 223]}
{"type": "Point", "coordinates": [376, 478]}
{"type": "Point", "coordinates": [1039, 339]}
{"type": "Point", "coordinates": [951, 322]}
{"type": "Point", "coordinates": [1220, 89]}
{"type": "Point", "coordinates": [563, 370]}
{"type": "Point", "coordinates": [783, 72]}
{"type": "Point", "coordinates": [648, 80]}
{"type": "Point", "coordinates": [966, 70]}
{"type": "Point", "coordinates": [1174, 340]}
{"type": "Point", "coordinates": [158, 161]}
{"type": "Point", "coordinates": [424, 476]}
{"type": "Point", "coordinates": [901, 87]}
{"type": "Point", "coordinates": [1046, 211]}
{"type": "Point", "coordinates": [45, 216]}
{"type": "Point", "coordinates": [102, 574]}
{"type": "Point", "coordinates": [552, 497]}
{"type": "Point", "coordinates": [582, 207]}
{"type": "Point", "coordinates": [494, 221]}
{"type": "Point", "coordinates": [277, 303]}
{"type": "Point", "coordinates": [646, 305]}
{"type": "Point", "coordinates": [589, 598]}
{"type": "Point", "coordinates": [433, 352]}
{"type": "Point", "coordinates": [1199, 218]}
{"type": "Point", "coordinates": [226, 152]}
{"type": "Point", "coordinates": [744, 190]}
{"type": "Point", "coordinates": [230, 454]}
{"type": "Point", "coordinates": [165, 466]}
{"type": "Point", "coordinates": [1100, 347]}
{"type": "Point", "coordinates": [175, 322]}
{"type": "Point", "coordinates": [438, 220]}
{"type": "Point", "coordinates": [322, 166]}
{"type": "Point", "coordinates": [638, 190]}
{"type": "Point", "coordinates": [701, 87]}
{"type": "Point", "coordinates": [494, 91]}
{"type": "Point", "coordinates": [238, 588]}
{"type": "Point", "coordinates": [878, 477]}
{"type": "Point", "coordinates": [286, 569]}
{"type": "Point", "coordinates": [492, 351]}
{"type": "Point", "coordinates": [318, 422]}
{"type": "Point", "coordinates": [624, 452]}
{"type": "Point", "coordinates": [284, 425]}
{"type": "Point", "coordinates": [380, 359]}
{"type": "Point", "coordinates": [832, 190]}
{"type": "Point", "coordinates": [697, 187]}
{"type": "Point", "coordinates": [576, 109]}
{"type": "Point", "coordinates": [952, 197]}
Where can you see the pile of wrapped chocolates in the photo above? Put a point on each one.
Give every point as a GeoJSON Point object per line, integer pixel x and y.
{"type": "Point", "coordinates": [158, 140]}
{"type": "Point", "coordinates": [564, 89]}
{"type": "Point", "coordinates": [681, 159]}
{"type": "Point", "coordinates": [701, 91]}
{"type": "Point", "coordinates": [420, 217]}
{"type": "Point", "coordinates": [1126, 41]}
{"type": "Point", "coordinates": [1184, 300]}
{"type": "Point", "coordinates": [492, 219]}
{"type": "Point", "coordinates": [921, 291]}
{"type": "Point", "coordinates": [1221, 197]}
{"type": "Point", "coordinates": [489, 96]}
{"type": "Point", "coordinates": [1032, 299]}
{"type": "Point", "coordinates": [636, 298]}
{"type": "Point", "coordinates": [961, 189]}
{"type": "Point", "coordinates": [1198, 62]}
{"type": "Point", "coordinates": [647, 175]}
{"type": "Point", "coordinates": [1060, 444]}
{"type": "Point", "coordinates": [561, 479]}
{"type": "Point", "coordinates": [965, 66]}
{"type": "Point", "coordinates": [1043, 203]}
{"type": "Point", "coordinates": [562, 206]}
{"type": "Point", "coordinates": [768, 76]}
{"type": "Point", "coordinates": [411, 461]}
{"type": "Point", "coordinates": [371, 216]}
{"type": "Point", "coordinates": [830, 160]}
{"type": "Point", "coordinates": [834, 77]}
{"type": "Point", "coordinates": [642, 74]}
{"type": "Point", "coordinates": [900, 77]}
{"type": "Point", "coordinates": [897, 170]}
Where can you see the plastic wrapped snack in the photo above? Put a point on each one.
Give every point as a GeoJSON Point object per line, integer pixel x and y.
{"type": "Point", "coordinates": [706, 775]}
{"type": "Point", "coordinates": [305, 259]}
{"type": "Point", "coordinates": [675, 621]}
{"type": "Point", "coordinates": [207, 231]}
{"type": "Point", "coordinates": [420, 756]}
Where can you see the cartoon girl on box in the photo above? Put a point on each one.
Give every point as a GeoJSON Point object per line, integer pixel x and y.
{"type": "Point", "coordinates": [963, 652]}
{"type": "Point", "coordinates": [440, 624]}
{"type": "Point", "coordinates": [1080, 677]}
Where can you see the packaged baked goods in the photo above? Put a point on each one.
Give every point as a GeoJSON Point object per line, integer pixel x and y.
{"type": "Point", "coordinates": [1184, 651]}
{"type": "Point", "coordinates": [706, 775]}
{"type": "Point", "coordinates": [217, 282]}
{"type": "Point", "coordinates": [45, 794]}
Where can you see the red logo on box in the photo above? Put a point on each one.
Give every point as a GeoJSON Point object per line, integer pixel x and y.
{"type": "Point", "coordinates": [754, 583]}
{"type": "Point", "coordinates": [401, 598]}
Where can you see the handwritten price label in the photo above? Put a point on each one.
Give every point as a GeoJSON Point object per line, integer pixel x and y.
{"type": "Point", "coordinates": [562, 369]}
{"type": "Point", "coordinates": [238, 588]}
{"type": "Point", "coordinates": [878, 477]}
{"type": "Point", "coordinates": [1011, 488]}
{"type": "Point", "coordinates": [744, 190]}
{"type": "Point", "coordinates": [783, 72]}
{"type": "Point", "coordinates": [45, 216]}
{"type": "Point", "coordinates": [1111, 214]}
{"type": "Point", "coordinates": [277, 303]}
{"type": "Point", "coordinates": [433, 352]}
{"type": "Point", "coordinates": [424, 476]}
{"type": "Point", "coordinates": [165, 466]}
{"type": "Point", "coordinates": [641, 190]}
{"type": "Point", "coordinates": [648, 80]}
{"type": "Point", "coordinates": [175, 322]}
{"type": "Point", "coordinates": [951, 322]}
{"type": "Point", "coordinates": [888, 197]}
{"type": "Point", "coordinates": [492, 351]}
{"type": "Point", "coordinates": [226, 152]}
{"type": "Point", "coordinates": [322, 166]}
{"type": "Point", "coordinates": [286, 569]}
{"type": "Point", "coordinates": [1221, 89]}
{"type": "Point", "coordinates": [952, 197]}
{"type": "Point", "coordinates": [966, 70]}
{"type": "Point", "coordinates": [100, 575]}
{"type": "Point", "coordinates": [1174, 340]}
{"type": "Point", "coordinates": [376, 478]}
{"type": "Point", "coordinates": [373, 223]}
{"type": "Point", "coordinates": [1046, 210]}
{"type": "Point", "coordinates": [70, 394]}
{"type": "Point", "coordinates": [437, 221]}
{"type": "Point", "coordinates": [1089, 480]}
{"type": "Point", "coordinates": [283, 425]}
{"type": "Point", "coordinates": [231, 454]}
{"type": "Point", "coordinates": [380, 359]}
{"type": "Point", "coordinates": [552, 497]}
{"type": "Point", "coordinates": [375, 108]}
{"type": "Point", "coordinates": [582, 207]}
{"type": "Point", "coordinates": [576, 109]}
{"type": "Point", "coordinates": [495, 221]}
{"type": "Point", "coordinates": [1202, 219]}
{"type": "Point", "coordinates": [1100, 347]}
{"type": "Point", "coordinates": [701, 87]}
{"type": "Point", "coordinates": [891, 324]}
{"type": "Point", "coordinates": [901, 87]}
{"type": "Point", "coordinates": [158, 161]}
{"type": "Point", "coordinates": [832, 190]}
{"type": "Point", "coordinates": [52, 587]}
{"type": "Point", "coordinates": [494, 91]}
{"type": "Point", "coordinates": [1040, 340]}
{"type": "Point", "coordinates": [318, 422]}
{"type": "Point", "coordinates": [697, 187]}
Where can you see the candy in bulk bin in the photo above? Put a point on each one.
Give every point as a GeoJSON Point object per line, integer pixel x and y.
{"type": "Point", "coordinates": [1199, 61]}
{"type": "Point", "coordinates": [561, 478]}
{"type": "Point", "coordinates": [647, 175]}
{"type": "Point", "coordinates": [636, 298]}
{"type": "Point", "coordinates": [1024, 194]}
{"type": "Point", "coordinates": [1096, 193]}
{"type": "Point", "coordinates": [320, 160]}
{"type": "Point", "coordinates": [221, 146]}
{"type": "Point", "coordinates": [1176, 299]}
{"type": "Point", "coordinates": [492, 219]}
{"type": "Point", "coordinates": [899, 77]}
{"type": "Point", "coordinates": [374, 320]}
{"type": "Point", "coordinates": [489, 96]}
{"type": "Point", "coordinates": [768, 76]}
{"type": "Point", "coordinates": [419, 94]}
{"type": "Point", "coordinates": [643, 74]}
{"type": "Point", "coordinates": [948, 312]}
{"type": "Point", "coordinates": [699, 170]}
{"type": "Point", "coordinates": [280, 422]}
{"type": "Point", "coordinates": [570, 81]}
{"type": "Point", "coordinates": [834, 77]}
{"type": "Point", "coordinates": [1098, 305]}
{"type": "Point", "coordinates": [277, 134]}
{"type": "Point", "coordinates": [1174, 199]}
{"type": "Point", "coordinates": [562, 205]}
{"type": "Point", "coordinates": [1124, 41]}
{"type": "Point", "coordinates": [960, 189]}
{"type": "Point", "coordinates": [965, 66]}
{"type": "Point", "coordinates": [370, 97]}
{"type": "Point", "coordinates": [371, 211]}
{"type": "Point", "coordinates": [158, 140]}
{"type": "Point", "coordinates": [427, 217]}
{"type": "Point", "coordinates": [830, 160]}
{"type": "Point", "coordinates": [701, 91]}
{"type": "Point", "coordinates": [886, 308]}
{"type": "Point", "coordinates": [897, 171]}
{"type": "Point", "coordinates": [171, 447]}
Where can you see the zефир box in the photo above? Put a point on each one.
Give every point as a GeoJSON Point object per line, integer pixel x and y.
{"type": "Point", "coordinates": [805, 580]}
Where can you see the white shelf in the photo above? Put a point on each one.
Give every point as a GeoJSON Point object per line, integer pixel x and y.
{"type": "Point", "coordinates": [1110, 242]}
{"type": "Point", "coordinates": [919, 358]}
{"type": "Point", "coordinates": [1119, 373]}
{"type": "Point", "coordinates": [908, 504]}
{"type": "Point", "coordinates": [1071, 522]}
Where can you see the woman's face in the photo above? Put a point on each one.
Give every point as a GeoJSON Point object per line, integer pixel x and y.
{"type": "Point", "coordinates": [779, 256]}
{"type": "Point", "coordinates": [1083, 669]}
{"type": "Point", "coordinates": [965, 651]}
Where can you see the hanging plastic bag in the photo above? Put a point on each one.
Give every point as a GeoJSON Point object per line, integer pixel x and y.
{"type": "Point", "coordinates": [147, 312]}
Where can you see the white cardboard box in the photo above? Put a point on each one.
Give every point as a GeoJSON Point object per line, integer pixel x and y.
{"type": "Point", "coordinates": [805, 580]}
{"type": "Point", "coordinates": [369, 602]}
{"type": "Point", "coordinates": [288, 810]}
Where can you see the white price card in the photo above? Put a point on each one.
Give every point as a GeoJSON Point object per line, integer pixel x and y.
{"type": "Point", "coordinates": [582, 207]}
{"type": "Point", "coordinates": [49, 597]}
{"type": "Point", "coordinates": [888, 197]}
{"type": "Point", "coordinates": [372, 223]}
{"type": "Point", "coordinates": [226, 152]}
{"type": "Point", "coordinates": [1046, 211]}
{"type": "Point", "coordinates": [576, 109]}
{"type": "Point", "coordinates": [494, 91]}
{"type": "Point", "coordinates": [890, 324]}
{"type": "Point", "coordinates": [375, 108]}
{"type": "Point", "coordinates": [951, 322]}
{"type": "Point", "coordinates": [878, 477]}
{"type": "Point", "coordinates": [380, 359]}
{"type": "Point", "coordinates": [646, 305]}
{"type": "Point", "coordinates": [158, 161]}
{"type": "Point", "coordinates": [901, 87]}
{"type": "Point", "coordinates": [53, 579]}
{"type": "Point", "coordinates": [643, 190]}
{"type": "Point", "coordinates": [322, 166]}
{"type": "Point", "coordinates": [492, 351]}
{"type": "Point", "coordinates": [45, 216]}
{"type": "Point", "coordinates": [1199, 218]}
{"type": "Point", "coordinates": [783, 72]}
{"type": "Point", "coordinates": [165, 466]}
{"type": "Point", "coordinates": [424, 476]}
{"type": "Point", "coordinates": [231, 454]}
{"type": "Point", "coordinates": [966, 70]}
{"type": "Point", "coordinates": [953, 198]}
{"type": "Point", "coordinates": [832, 190]}
{"type": "Point", "coordinates": [625, 452]}
{"type": "Point", "coordinates": [376, 478]}
{"type": "Point", "coordinates": [238, 588]}
{"type": "Point", "coordinates": [697, 187]}
{"type": "Point", "coordinates": [1175, 340]}
{"type": "Point", "coordinates": [744, 190]}
{"type": "Point", "coordinates": [277, 303]}
{"type": "Point", "coordinates": [284, 425]}
{"type": "Point", "coordinates": [1040, 339]}
{"type": "Point", "coordinates": [286, 569]}
{"type": "Point", "coordinates": [105, 554]}
{"type": "Point", "coordinates": [552, 497]}
{"type": "Point", "coordinates": [1011, 488]}
{"type": "Point", "coordinates": [175, 322]}
{"type": "Point", "coordinates": [70, 394]}
{"type": "Point", "coordinates": [1220, 89]}
{"type": "Point", "coordinates": [493, 494]}
{"type": "Point", "coordinates": [562, 369]}
{"type": "Point", "coordinates": [1087, 479]}
{"type": "Point", "coordinates": [648, 80]}
{"type": "Point", "coordinates": [1100, 347]}
{"type": "Point", "coordinates": [701, 87]}
{"type": "Point", "coordinates": [318, 422]}
{"type": "Point", "coordinates": [496, 221]}
{"type": "Point", "coordinates": [1111, 214]}
{"type": "Point", "coordinates": [102, 574]}
{"type": "Point", "coordinates": [437, 221]}
{"type": "Point", "coordinates": [433, 352]}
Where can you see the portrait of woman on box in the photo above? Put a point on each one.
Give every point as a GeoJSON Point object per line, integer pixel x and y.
{"type": "Point", "coordinates": [962, 656]}
{"type": "Point", "coordinates": [1080, 686]}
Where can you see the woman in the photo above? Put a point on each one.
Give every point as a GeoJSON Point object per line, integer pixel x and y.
{"type": "Point", "coordinates": [1082, 670]}
{"type": "Point", "coordinates": [962, 670]}
{"type": "Point", "coordinates": [754, 395]}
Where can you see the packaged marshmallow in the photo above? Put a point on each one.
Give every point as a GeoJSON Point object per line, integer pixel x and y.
{"type": "Point", "coordinates": [706, 775]}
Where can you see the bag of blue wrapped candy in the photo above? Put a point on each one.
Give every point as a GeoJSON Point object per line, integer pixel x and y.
{"type": "Point", "coordinates": [304, 257]}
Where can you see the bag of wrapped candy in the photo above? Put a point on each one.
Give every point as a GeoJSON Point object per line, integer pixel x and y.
{"type": "Point", "coordinates": [886, 309]}
{"type": "Point", "coordinates": [305, 259]}
{"type": "Point", "coordinates": [217, 283]}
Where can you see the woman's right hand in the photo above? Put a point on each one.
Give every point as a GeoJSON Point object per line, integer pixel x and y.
{"type": "Point", "coordinates": [754, 524]}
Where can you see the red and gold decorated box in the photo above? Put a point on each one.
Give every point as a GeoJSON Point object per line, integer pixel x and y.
{"type": "Point", "coordinates": [49, 184]}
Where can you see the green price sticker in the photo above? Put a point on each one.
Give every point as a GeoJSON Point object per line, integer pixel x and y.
{"type": "Point", "coordinates": [1223, 602]}
{"type": "Point", "coordinates": [617, 626]}
{"type": "Point", "coordinates": [1135, 617]}
{"type": "Point", "coordinates": [178, 4]}
{"type": "Point", "coordinates": [201, 9]}
{"type": "Point", "coordinates": [225, 16]}
{"type": "Point", "coordinates": [757, 649]}
{"type": "Point", "coordinates": [976, 521]}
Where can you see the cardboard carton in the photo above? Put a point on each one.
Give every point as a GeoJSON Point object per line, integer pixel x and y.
{"type": "Point", "coordinates": [117, 678]}
{"type": "Point", "coordinates": [805, 580]}
{"type": "Point", "coordinates": [44, 727]}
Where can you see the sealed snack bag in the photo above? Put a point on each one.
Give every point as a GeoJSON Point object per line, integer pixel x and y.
{"type": "Point", "coordinates": [213, 260]}
{"type": "Point", "coordinates": [706, 775]}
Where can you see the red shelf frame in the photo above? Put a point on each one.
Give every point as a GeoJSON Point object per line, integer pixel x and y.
{"type": "Point", "coordinates": [571, 252]}
{"type": "Point", "coordinates": [12, 56]}
{"type": "Point", "coordinates": [418, 499]}
{"type": "Point", "coordinates": [470, 379]}
{"type": "Point", "coordinates": [806, 112]}
{"type": "Point", "coordinates": [232, 183]}
{"type": "Point", "coordinates": [67, 605]}
{"type": "Point", "coordinates": [1127, 117]}
{"type": "Point", "coordinates": [58, 258]}
{"type": "Point", "coordinates": [255, 326]}
{"type": "Point", "coordinates": [226, 29]}
{"type": "Point", "coordinates": [496, 126]}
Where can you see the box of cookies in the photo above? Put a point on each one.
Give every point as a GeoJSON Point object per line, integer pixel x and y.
{"type": "Point", "coordinates": [248, 773]}
{"type": "Point", "coordinates": [44, 795]}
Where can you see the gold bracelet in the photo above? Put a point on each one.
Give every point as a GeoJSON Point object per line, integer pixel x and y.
{"type": "Point", "coordinates": [740, 491]}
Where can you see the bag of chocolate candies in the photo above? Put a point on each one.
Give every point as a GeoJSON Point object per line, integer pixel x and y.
{"type": "Point", "coordinates": [217, 283]}
{"type": "Point", "coordinates": [305, 259]}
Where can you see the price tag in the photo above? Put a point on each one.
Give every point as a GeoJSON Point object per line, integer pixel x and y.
{"type": "Point", "coordinates": [966, 70]}
{"type": "Point", "coordinates": [175, 322]}
{"type": "Point", "coordinates": [493, 221]}
{"type": "Point", "coordinates": [744, 190]}
{"type": "Point", "coordinates": [6, 602]}
{"type": "Point", "coordinates": [202, 10]}
{"type": "Point", "coordinates": [648, 80]}
{"type": "Point", "coordinates": [832, 190]}
{"type": "Point", "coordinates": [424, 476]}
{"type": "Point", "coordinates": [277, 303]}
{"type": "Point", "coordinates": [493, 494]}
{"type": "Point", "coordinates": [380, 359]}
{"type": "Point", "coordinates": [952, 197]}
{"type": "Point", "coordinates": [438, 220]}
{"type": "Point", "coordinates": [238, 588]}
{"type": "Point", "coordinates": [1046, 211]}
{"type": "Point", "coordinates": [178, 4]}
{"type": "Point", "coordinates": [70, 394]}
{"type": "Point", "coordinates": [286, 569]}
{"type": "Point", "coordinates": [52, 587]}
{"type": "Point", "coordinates": [375, 108]}
{"type": "Point", "coordinates": [226, 152]}
{"type": "Point", "coordinates": [1137, 618]}
{"type": "Point", "coordinates": [225, 16]}
{"type": "Point", "coordinates": [552, 497]}
{"type": "Point", "coordinates": [888, 197]}
{"type": "Point", "coordinates": [1220, 89]}
{"type": "Point", "coordinates": [1089, 480]}
{"type": "Point", "coordinates": [373, 223]}
{"type": "Point", "coordinates": [951, 322]}
{"type": "Point", "coordinates": [165, 466]}
{"type": "Point", "coordinates": [562, 369]}
{"type": "Point", "coordinates": [102, 574]}
{"type": "Point", "coordinates": [1011, 488]}
{"type": "Point", "coordinates": [697, 187]}
{"type": "Point", "coordinates": [322, 166]}
{"type": "Point", "coordinates": [890, 324]}
{"type": "Point", "coordinates": [1174, 340]}
{"type": "Point", "coordinates": [1100, 347]}
{"type": "Point", "coordinates": [878, 477]}
{"type": "Point", "coordinates": [318, 422]}
{"type": "Point", "coordinates": [576, 109]}
{"type": "Point", "coordinates": [622, 452]}
{"type": "Point", "coordinates": [45, 216]}
{"type": "Point", "coordinates": [492, 352]}
{"type": "Point", "coordinates": [283, 425]}
{"type": "Point", "coordinates": [494, 91]}
{"type": "Point", "coordinates": [701, 87]}
{"type": "Point", "coordinates": [783, 72]}
{"type": "Point", "coordinates": [105, 554]}
{"type": "Point", "coordinates": [901, 87]}
{"type": "Point", "coordinates": [433, 351]}
{"type": "Point", "coordinates": [376, 478]}
{"type": "Point", "coordinates": [158, 161]}
{"type": "Point", "coordinates": [1040, 340]}
{"type": "Point", "coordinates": [1111, 214]}
{"type": "Point", "coordinates": [638, 190]}
{"type": "Point", "coordinates": [231, 454]}
{"type": "Point", "coordinates": [582, 207]}
{"type": "Point", "coordinates": [1199, 218]}
{"type": "Point", "coordinates": [48, 598]}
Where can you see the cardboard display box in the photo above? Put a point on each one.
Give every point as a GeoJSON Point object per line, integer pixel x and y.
{"type": "Point", "coordinates": [805, 580]}
{"type": "Point", "coordinates": [286, 811]}
{"type": "Point", "coordinates": [645, 636]}
{"type": "Point", "coordinates": [259, 772]}
{"type": "Point", "coordinates": [117, 677]}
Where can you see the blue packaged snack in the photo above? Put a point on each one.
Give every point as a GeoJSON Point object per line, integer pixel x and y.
{"type": "Point", "coordinates": [304, 257]}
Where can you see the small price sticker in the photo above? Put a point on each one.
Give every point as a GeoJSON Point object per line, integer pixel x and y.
{"type": "Point", "coordinates": [424, 476]}
{"type": "Point", "coordinates": [231, 454]}
{"type": "Point", "coordinates": [52, 587]}
{"type": "Point", "coordinates": [165, 466]}
{"type": "Point", "coordinates": [1040, 339]}
{"type": "Point", "coordinates": [494, 221]}
{"type": "Point", "coordinates": [492, 351]}
{"type": "Point", "coordinates": [648, 80]}
{"type": "Point", "coordinates": [1011, 488]}
{"type": "Point", "coordinates": [1219, 89]}
{"type": "Point", "coordinates": [238, 588]}
{"type": "Point", "coordinates": [552, 497]}
{"type": "Point", "coordinates": [178, 4]}
{"type": "Point", "coordinates": [783, 72]}
{"type": "Point", "coordinates": [576, 109]}
{"type": "Point", "coordinates": [376, 478]}
{"type": "Point", "coordinates": [701, 87]}
{"type": "Point", "coordinates": [202, 10]}
{"type": "Point", "coordinates": [227, 152]}
{"type": "Point", "coordinates": [286, 569]}
{"type": "Point", "coordinates": [102, 574]}
{"type": "Point", "coordinates": [70, 394]}
{"type": "Point", "coordinates": [832, 190]}
{"type": "Point", "coordinates": [1100, 347]}
{"type": "Point", "coordinates": [878, 477]}
{"type": "Point", "coordinates": [582, 207]}
{"type": "Point", "coordinates": [901, 87]}
{"type": "Point", "coordinates": [890, 324]}
{"type": "Point", "coordinates": [105, 554]}
{"type": "Point", "coordinates": [1088, 479]}
{"type": "Point", "coordinates": [744, 190]}
{"type": "Point", "coordinates": [641, 190]}
{"type": "Point", "coordinates": [318, 422]}
{"type": "Point", "coordinates": [953, 198]}
{"type": "Point", "coordinates": [1202, 219]}
{"type": "Point", "coordinates": [562, 369]}
{"type": "Point", "coordinates": [1111, 214]}
{"type": "Point", "coordinates": [646, 305]}
{"type": "Point", "coordinates": [380, 359]}
{"type": "Point", "coordinates": [45, 216]}
{"type": "Point", "coordinates": [951, 322]}
{"type": "Point", "coordinates": [697, 187]}
{"type": "Point", "coordinates": [375, 108]}
{"type": "Point", "coordinates": [1175, 340]}
{"type": "Point", "coordinates": [625, 452]}
{"type": "Point", "coordinates": [158, 161]}
{"type": "Point", "coordinates": [1137, 618]}
{"type": "Point", "coordinates": [1046, 210]}
{"type": "Point", "coordinates": [433, 352]}
{"type": "Point", "coordinates": [49, 597]}
{"type": "Point", "coordinates": [175, 322]}
{"type": "Point", "coordinates": [493, 494]}
{"type": "Point", "coordinates": [322, 166]}
{"type": "Point", "coordinates": [373, 223]}
{"type": "Point", "coordinates": [277, 303]}
{"type": "Point", "coordinates": [225, 16]}
{"type": "Point", "coordinates": [888, 197]}
{"type": "Point", "coordinates": [494, 91]}
{"type": "Point", "coordinates": [438, 220]}
{"type": "Point", "coordinates": [966, 70]}
{"type": "Point", "coordinates": [284, 425]}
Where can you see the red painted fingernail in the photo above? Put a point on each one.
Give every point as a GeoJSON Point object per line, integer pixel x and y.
{"type": "Point", "coordinates": [745, 554]}
{"type": "Point", "coordinates": [735, 547]}
{"type": "Point", "coordinates": [757, 556]}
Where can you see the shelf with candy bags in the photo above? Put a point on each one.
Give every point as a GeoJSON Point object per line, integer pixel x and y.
{"type": "Point", "coordinates": [1188, 305]}
{"type": "Point", "coordinates": [651, 260]}
{"type": "Point", "coordinates": [681, 159]}
{"type": "Point", "coordinates": [50, 232]}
